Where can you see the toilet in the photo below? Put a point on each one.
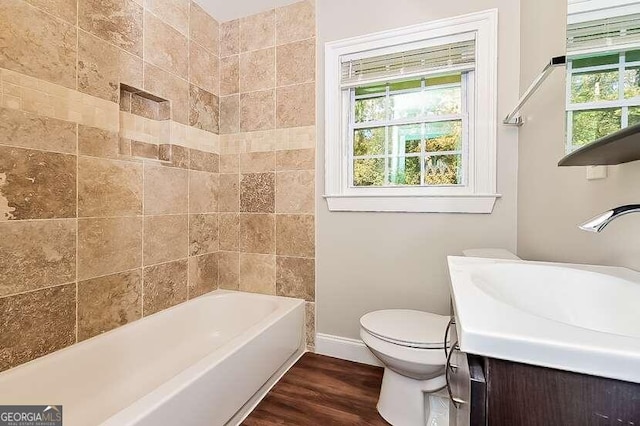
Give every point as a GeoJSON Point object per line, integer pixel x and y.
{"type": "Point", "coordinates": [410, 344]}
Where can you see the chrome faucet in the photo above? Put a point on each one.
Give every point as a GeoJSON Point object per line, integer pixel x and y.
{"type": "Point", "coordinates": [598, 223]}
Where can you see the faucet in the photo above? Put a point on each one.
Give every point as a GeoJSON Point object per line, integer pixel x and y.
{"type": "Point", "coordinates": [598, 223]}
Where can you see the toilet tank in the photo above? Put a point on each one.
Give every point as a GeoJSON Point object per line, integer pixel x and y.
{"type": "Point", "coordinates": [490, 253]}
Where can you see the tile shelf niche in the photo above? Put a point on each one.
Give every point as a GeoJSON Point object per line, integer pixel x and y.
{"type": "Point", "coordinates": [144, 104]}
{"type": "Point", "coordinates": [620, 147]}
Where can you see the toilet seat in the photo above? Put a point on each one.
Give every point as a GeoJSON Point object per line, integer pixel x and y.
{"type": "Point", "coordinates": [406, 327]}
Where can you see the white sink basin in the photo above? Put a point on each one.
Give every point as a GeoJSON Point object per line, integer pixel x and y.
{"type": "Point", "coordinates": [581, 298]}
{"type": "Point", "coordinates": [579, 318]}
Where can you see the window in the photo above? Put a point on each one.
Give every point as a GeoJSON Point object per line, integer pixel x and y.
{"type": "Point", "coordinates": [411, 118]}
{"type": "Point", "coordinates": [603, 78]}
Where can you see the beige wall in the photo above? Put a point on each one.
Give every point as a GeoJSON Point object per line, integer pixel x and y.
{"type": "Point", "coordinates": [369, 261]}
{"type": "Point", "coordinates": [552, 200]}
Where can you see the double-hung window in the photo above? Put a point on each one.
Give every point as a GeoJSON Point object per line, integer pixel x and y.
{"type": "Point", "coordinates": [410, 118]}
{"type": "Point", "coordinates": [603, 78]}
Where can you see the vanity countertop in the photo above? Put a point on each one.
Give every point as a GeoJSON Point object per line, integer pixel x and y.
{"type": "Point", "coordinates": [579, 318]}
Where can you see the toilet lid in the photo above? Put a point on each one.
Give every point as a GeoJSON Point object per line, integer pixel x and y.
{"type": "Point", "coordinates": [407, 327]}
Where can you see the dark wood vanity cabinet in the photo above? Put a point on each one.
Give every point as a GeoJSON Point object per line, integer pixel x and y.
{"type": "Point", "coordinates": [526, 395]}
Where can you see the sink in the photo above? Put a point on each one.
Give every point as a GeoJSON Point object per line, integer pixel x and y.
{"type": "Point", "coordinates": [581, 318]}
{"type": "Point", "coordinates": [580, 298]}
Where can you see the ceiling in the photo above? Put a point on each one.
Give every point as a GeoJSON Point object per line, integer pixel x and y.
{"type": "Point", "coordinates": [225, 10]}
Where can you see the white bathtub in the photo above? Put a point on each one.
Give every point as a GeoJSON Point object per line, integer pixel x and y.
{"type": "Point", "coordinates": [204, 362]}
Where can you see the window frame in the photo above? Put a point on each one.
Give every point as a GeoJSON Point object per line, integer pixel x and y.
{"type": "Point", "coordinates": [465, 116]}
{"type": "Point", "coordinates": [478, 194]}
{"type": "Point", "coordinates": [621, 102]}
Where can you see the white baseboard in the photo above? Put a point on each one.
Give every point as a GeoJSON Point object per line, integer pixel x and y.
{"type": "Point", "coordinates": [345, 348]}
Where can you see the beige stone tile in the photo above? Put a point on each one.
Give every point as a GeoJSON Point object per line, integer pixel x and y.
{"type": "Point", "coordinates": [108, 302]}
{"type": "Point", "coordinates": [63, 9]}
{"type": "Point", "coordinates": [116, 21]}
{"type": "Point", "coordinates": [131, 69]}
{"type": "Point", "coordinates": [36, 184]}
{"type": "Point", "coordinates": [108, 245]}
{"type": "Point", "coordinates": [164, 286]}
{"type": "Point", "coordinates": [109, 188]}
{"type": "Point", "coordinates": [171, 87]}
{"type": "Point", "coordinates": [296, 62]}
{"type": "Point", "coordinates": [296, 159]}
{"type": "Point", "coordinates": [257, 70]}
{"type": "Point", "coordinates": [295, 22]}
{"type": "Point", "coordinates": [204, 110]}
{"type": "Point", "coordinates": [203, 192]}
{"type": "Point", "coordinates": [229, 38]}
{"type": "Point", "coordinates": [229, 75]}
{"type": "Point", "coordinates": [229, 163]}
{"type": "Point", "coordinates": [229, 194]}
{"type": "Point", "coordinates": [98, 67]}
{"type": "Point", "coordinates": [230, 114]}
{"type": "Point", "coordinates": [36, 254]}
{"type": "Point", "coordinates": [203, 274]}
{"type": "Point", "coordinates": [203, 234]}
{"type": "Point", "coordinates": [173, 12]}
{"type": "Point", "coordinates": [296, 138]}
{"type": "Point", "coordinates": [203, 68]}
{"type": "Point", "coordinates": [258, 273]}
{"type": "Point", "coordinates": [257, 233]}
{"type": "Point", "coordinates": [204, 161]}
{"type": "Point", "coordinates": [48, 43]}
{"type": "Point", "coordinates": [229, 231]}
{"type": "Point", "coordinates": [165, 238]}
{"type": "Point", "coordinates": [35, 324]}
{"type": "Point", "coordinates": [257, 193]}
{"type": "Point", "coordinates": [166, 190]}
{"type": "Point", "coordinates": [22, 129]}
{"type": "Point", "coordinates": [295, 277]}
{"type": "Point", "coordinates": [257, 111]}
{"type": "Point", "coordinates": [147, 108]}
{"type": "Point", "coordinates": [258, 31]}
{"type": "Point", "coordinates": [295, 235]}
{"type": "Point", "coordinates": [204, 29]}
{"type": "Point", "coordinates": [310, 324]}
{"type": "Point", "coordinates": [295, 192]}
{"type": "Point", "coordinates": [228, 270]}
{"type": "Point", "coordinates": [257, 162]}
{"type": "Point", "coordinates": [176, 155]}
{"type": "Point", "coordinates": [296, 105]}
{"type": "Point", "coordinates": [144, 150]}
{"type": "Point", "coordinates": [96, 142]}
{"type": "Point", "coordinates": [165, 47]}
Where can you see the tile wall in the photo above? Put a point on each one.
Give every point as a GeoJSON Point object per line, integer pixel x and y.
{"type": "Point", "coordinates": [95, 234]}
{"type": "Point", "coordinates": [267, 154]}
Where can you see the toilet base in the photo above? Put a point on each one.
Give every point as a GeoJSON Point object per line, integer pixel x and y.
{"type": "Point", "coordinates": [404, 401]}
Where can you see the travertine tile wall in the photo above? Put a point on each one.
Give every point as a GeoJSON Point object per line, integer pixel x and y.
{"type": "Point", "coordinates": [92, 239]}
{"type": "Point", "coordinates": [267, 154]}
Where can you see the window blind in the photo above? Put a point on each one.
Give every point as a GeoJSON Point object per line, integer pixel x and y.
{"type": "Point", "coordinates": [615, 33]}
{"type": "Point", "coordinates": [458, 56]}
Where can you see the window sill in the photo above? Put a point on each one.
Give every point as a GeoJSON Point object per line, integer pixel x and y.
{"type": "Point", "coordinates": [475, 204]}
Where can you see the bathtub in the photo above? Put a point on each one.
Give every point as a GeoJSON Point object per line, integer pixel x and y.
{"type": "Point", "coordinates": [205, 362]}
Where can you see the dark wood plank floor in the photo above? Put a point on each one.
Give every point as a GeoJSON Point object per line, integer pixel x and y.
{"type": "Point", "coordinates": [320, 390]}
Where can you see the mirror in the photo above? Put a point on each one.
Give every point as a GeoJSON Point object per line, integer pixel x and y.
{"type": "Point", "coordinates": [603, 69]}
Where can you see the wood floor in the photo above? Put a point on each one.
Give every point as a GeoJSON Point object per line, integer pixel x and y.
{"type": "Point", "coordinates": [319, 390]}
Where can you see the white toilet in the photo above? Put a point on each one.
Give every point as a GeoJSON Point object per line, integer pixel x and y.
{"type": "Point", "coordinates": [410, 344]}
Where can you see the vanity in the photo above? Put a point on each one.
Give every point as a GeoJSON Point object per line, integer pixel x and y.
{"type": "Point", "coordinates": [543, 343]}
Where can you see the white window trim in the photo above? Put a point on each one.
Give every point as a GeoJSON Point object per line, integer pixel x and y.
{"type": "Point", "coordinates": [479, 195]}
